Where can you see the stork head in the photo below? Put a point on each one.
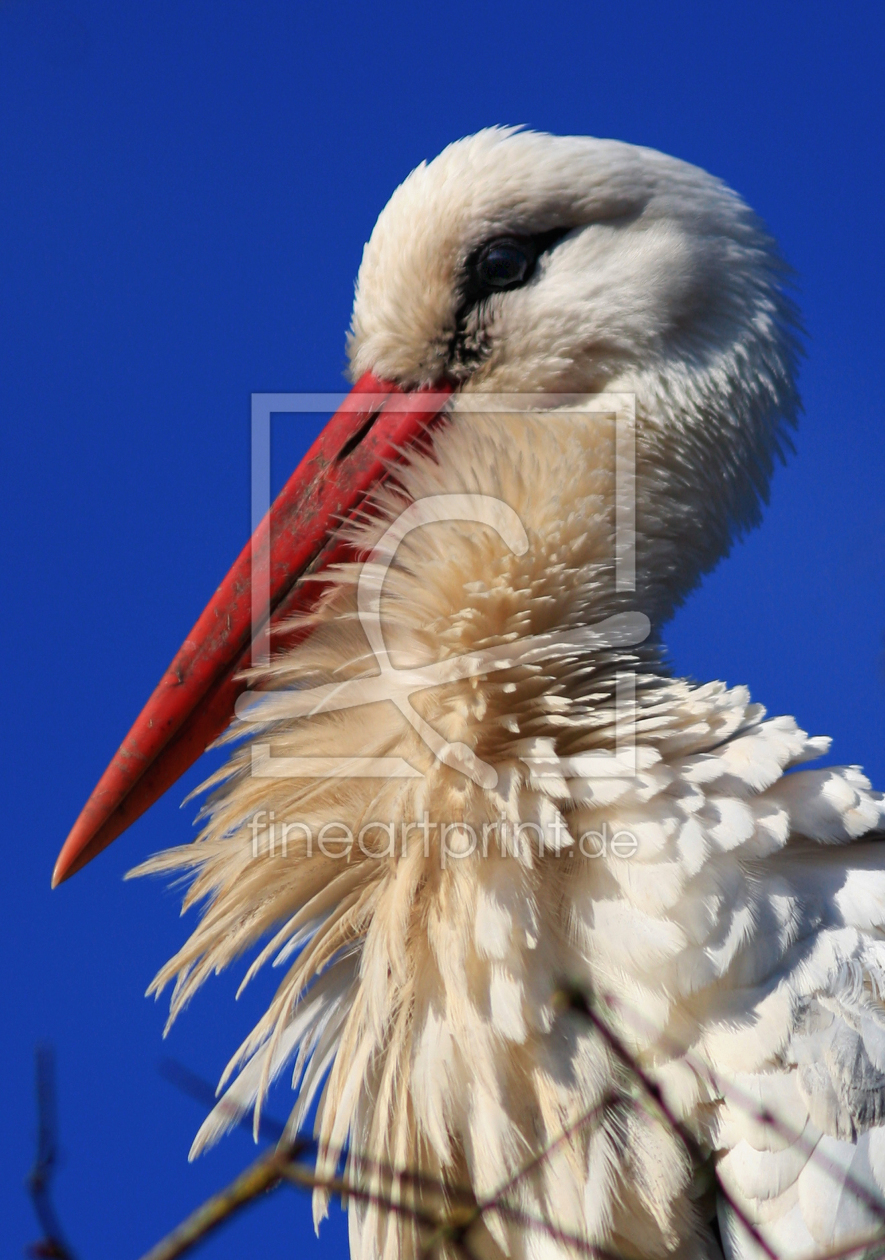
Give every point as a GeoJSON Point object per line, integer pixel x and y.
{"type": "Point", "coordinates": [528, 263]}
{"type": "Point", "coordinates": [524, 262]}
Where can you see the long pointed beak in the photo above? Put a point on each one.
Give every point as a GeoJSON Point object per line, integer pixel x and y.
{"type": "Point", "coordinates": [195, 698]}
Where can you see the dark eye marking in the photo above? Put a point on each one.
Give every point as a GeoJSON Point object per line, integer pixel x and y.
{"type": "Point", "coordinates": [505, 262]}
{"type": "Point", "coordinates": [497, 266]}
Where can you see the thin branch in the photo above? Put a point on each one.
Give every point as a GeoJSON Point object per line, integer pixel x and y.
{"type": "Point", "coordinates": [452, 1227]}
{"type": "Point", "coordinates": [263, 1175]}
{"type": "Point", "coordinates": [496, 1201]}
{"type": "Point", "coordinates": [587, 1117]}
{"type": "Point", "coordinates": [572, 998]}
{"type": "Point", "coordinates": [53, 1244]}
{"type": "Point", "coordinates": [198, 1088]}
{"type": "Point", "coordinates": [767, 1119]}
{"type": "Point", "coordinates": [307, 1179]}
{"type": "Point", "coordinates": [202, 1092]}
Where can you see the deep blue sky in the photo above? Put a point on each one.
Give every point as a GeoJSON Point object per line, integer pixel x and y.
{"type": "Point", "coordinates": [185, 190]}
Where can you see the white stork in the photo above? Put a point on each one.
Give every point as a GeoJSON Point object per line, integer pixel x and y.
{"type": "Point", "coordinates": [734, 935]}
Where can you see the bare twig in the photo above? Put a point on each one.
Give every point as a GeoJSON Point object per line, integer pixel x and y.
{"type": "Point", "coordinates": [572, 998]}
{"type": "Point", "coordinates": [767, 1119]}
{"type": "Point", "coordinates": [451, 1227]}
{"type": "Point", "coordinates": [202, 1092]}
{"type": "Point", "coordinates": [587, 1117]}
{"type": "Point", "coordinates": [497, 1202]}
{"type": "Point", "coordinates": [454, 1224]}
{"type": "Point", "coordinates": [263, 1175]}
{"type": "Point", "coordinates": [307, 1179]}
{"type": "Point", "coordinates": [198, 1088]}
{"type": "Point", "coordinates": [39, 1181]}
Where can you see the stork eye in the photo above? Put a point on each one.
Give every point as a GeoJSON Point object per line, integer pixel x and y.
{"type": "Point", "coordinates": [504, 264]}
{"type": "Point", "coordinates": [494, 267]}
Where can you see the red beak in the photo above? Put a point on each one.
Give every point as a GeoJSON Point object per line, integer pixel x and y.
{"type": "Point", "coordinates": [194, 700]}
